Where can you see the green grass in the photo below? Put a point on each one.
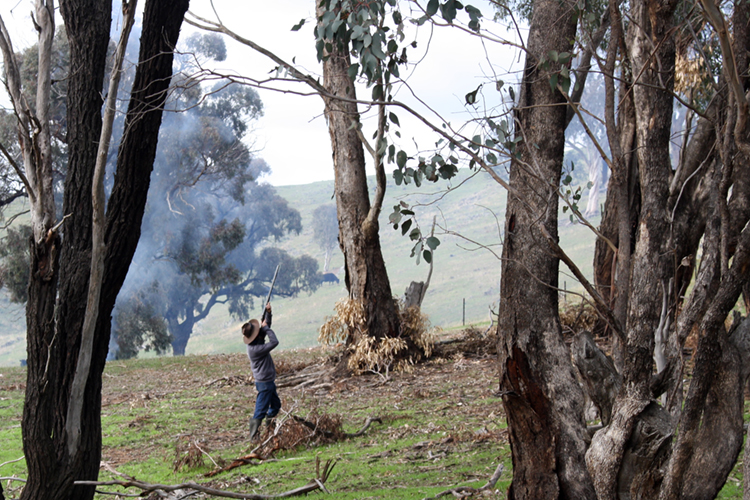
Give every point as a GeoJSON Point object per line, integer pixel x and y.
{"type": "Point", "coordinates": [443, 426]}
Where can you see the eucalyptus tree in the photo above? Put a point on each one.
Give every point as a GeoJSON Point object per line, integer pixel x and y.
{"type": "Point", "coordinates": [62, 427]}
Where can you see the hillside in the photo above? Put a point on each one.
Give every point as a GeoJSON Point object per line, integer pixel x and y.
{"type": "Point", "coordinates": [464, 272]}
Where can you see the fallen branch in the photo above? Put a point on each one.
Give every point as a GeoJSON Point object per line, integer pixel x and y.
{"type": "Point", "coordinates": [230, 380]}
{"type": "Point", "coordinates": [313, 427]}
{"type": "Point", "coordinates": [237, 462]}
{"type": "Point", "coordinates": [12, 461]}
{"type": "Point", "coordinates": [465, 491]}
{"type": "Point", "coordinates": [313, 485]}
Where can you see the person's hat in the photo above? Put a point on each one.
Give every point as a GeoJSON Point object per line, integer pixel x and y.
{"type": "Point", "coordinates": [250, 330]}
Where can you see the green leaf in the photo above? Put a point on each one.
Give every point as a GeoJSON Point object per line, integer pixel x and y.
{"type": "Point", "coordinates": [299, 25]}
{"type": "Point", "coordinates": [377, 50]}
{"type": "Point", "coordinates": [353, 70]}
{"type": "Point", "coordinates": [401, 159]}
{"type": "Point", "coordinates": [427, 256]}
{"type": "Point", "coordinates": [512, 93]}
{"type": "Point", "coordinates": [471, 97]}
{"type": "Point", "coordinates": [432, 242]}
{"type": "Point", "coordinates": [415, 234]}
{"type": "Point", "coordinates": [448, 9]}
{"type": "Point", "coordinates": [405, 227]}
{"type": "Point", "coordinates": [398, 176]}
{"type": "Point", "coordinates": [392, 116]}
{"type": "Point", "coordinates": [553, 81]}
{"type": "Point", "coordinates": [565, 84]}
{"type": "Point", "coordinates": [395, 216]}
{"type": "Point", "coordinates": [432, 7]}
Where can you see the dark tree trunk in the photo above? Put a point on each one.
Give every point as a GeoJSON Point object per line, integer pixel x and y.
{"type": "Point", "coordinates": [52, 470]}
{"type": "Point", "coordinates": [547, 432]}
{"type": "Point", "coordinates": [53, 341]}
{"type": "Point", "coordinates": [366, 276]}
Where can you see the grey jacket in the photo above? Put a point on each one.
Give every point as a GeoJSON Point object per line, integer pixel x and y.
{"type": "Point", "coordinates": [260, 357]}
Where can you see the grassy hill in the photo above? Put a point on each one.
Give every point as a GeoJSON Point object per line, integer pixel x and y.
{"type": "Point", "coordinates": [466, 265]}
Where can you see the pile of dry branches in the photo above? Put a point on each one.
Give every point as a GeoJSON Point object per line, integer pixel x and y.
{"type": "Point", "coordinates": [380, 355]}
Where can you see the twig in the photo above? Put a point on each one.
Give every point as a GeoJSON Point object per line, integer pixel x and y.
{"type": "Point", "coordinates": [195, 443]}
{"type": "Point", "coordinates": [12, 461]}
{"type": "Point", "coordinates": [464, 491]}
{"type": "Point", "coordinates": [368, 422]}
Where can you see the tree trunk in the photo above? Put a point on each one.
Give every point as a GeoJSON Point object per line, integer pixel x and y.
{"type": "Point", "coordinates": [542, 399]}
{"type": "Point", "coordinates": [52, 349]}
{"type": "Point", "coordinates": [180, 332]}
{"type": "Point", "coordinates": [366, 277]}
{"type": "Point", "coordinates": [651, 52]}
{"type": "Point", "coordinates": [53, 344]}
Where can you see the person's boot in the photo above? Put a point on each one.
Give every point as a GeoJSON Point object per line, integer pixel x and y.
{"type": "Point", "coordinates": [271, 423]}
{"type": "Point", "coordinates": [254, 426]}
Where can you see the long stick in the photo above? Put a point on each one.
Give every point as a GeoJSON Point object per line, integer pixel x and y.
{"type": "Point", "coordinates": [270, 290]}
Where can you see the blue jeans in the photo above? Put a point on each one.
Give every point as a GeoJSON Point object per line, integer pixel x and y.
{"type": "Point", "coordinates": [267, 404]}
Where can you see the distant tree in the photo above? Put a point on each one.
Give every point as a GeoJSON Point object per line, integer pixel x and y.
{"type": "Point", "coordinates": [140, 325]}
{"type": "Point", "coordinates": [14, 263]}
{"type": "Point", "coordinates": [208, 215]}
{"type": "Point", "coordinates": [326, 231]}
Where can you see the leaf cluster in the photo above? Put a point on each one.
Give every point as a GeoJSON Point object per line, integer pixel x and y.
{"type": "Point", "coordinates": [140, 323]}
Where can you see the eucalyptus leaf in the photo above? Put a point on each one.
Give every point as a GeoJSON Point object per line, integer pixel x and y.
{"type": "Point", "coordinates": [401, 159]}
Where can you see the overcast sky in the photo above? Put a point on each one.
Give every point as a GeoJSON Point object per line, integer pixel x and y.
{"type": "Point", "coordinates": [292, 136]}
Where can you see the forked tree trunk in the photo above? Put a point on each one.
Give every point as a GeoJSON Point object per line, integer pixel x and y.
{"type": "Point", "coordinates": [542, 399]}
{"type": "Point", "coordinates": [366, 276]}
{"type": "Point", "coordinates": [53, 341]}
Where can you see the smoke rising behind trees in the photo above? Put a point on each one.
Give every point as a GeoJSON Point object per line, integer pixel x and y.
{"type": "Point", "coordinates": [210, 220]}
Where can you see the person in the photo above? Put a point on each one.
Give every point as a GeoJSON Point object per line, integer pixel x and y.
{"type": "Point", "coordinates": [255, 334]}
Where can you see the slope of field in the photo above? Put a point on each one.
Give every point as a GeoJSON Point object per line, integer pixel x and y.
{"type": "Point", "coordinates": [465, 282]}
